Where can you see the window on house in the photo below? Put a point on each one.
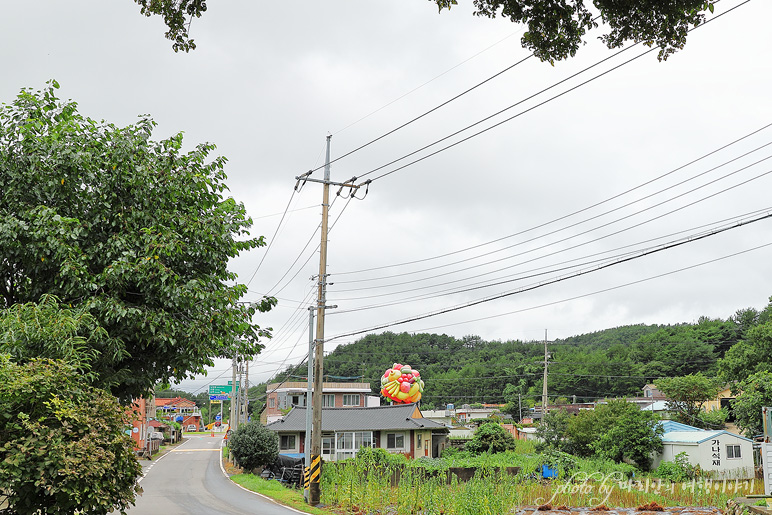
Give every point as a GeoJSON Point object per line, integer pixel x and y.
{"type": "Point", "coordinates": [328, 400]}
{"type": "Point", "coordinates": [395, 440]}
{"type": "Point", "coordinates": [287, 443]}
{"type": "Point", "coordinates": [348, 443]}
{"type": "Point", "coordinates": [351, 399]}
{"type": "Point", "coordinates": [328, 446]}
{"type": "Point", "coordinates": [272, 402]}
{"type": "Point", "coordinates": [418, 440]}
{"type": "Point", "coordinates": [733, 451]}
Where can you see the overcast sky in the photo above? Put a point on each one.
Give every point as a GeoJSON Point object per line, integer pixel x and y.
{"type": "Point", "coordinates": [583, 180]}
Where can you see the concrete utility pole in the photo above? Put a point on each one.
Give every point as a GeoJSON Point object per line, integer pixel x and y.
{"type": "Point", "coordinates": [318, 366]}
{"type": "Point", "coordinates": [310, 379]}
{"type": "Point", "coordinates": [314, 493]}
{"type": "Point", "coordinates": [233, 422]}
{"type": "Point", "coordinates": [544, 386]}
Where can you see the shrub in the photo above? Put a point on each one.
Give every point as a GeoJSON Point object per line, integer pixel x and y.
{"type": "Point", "coordinates": [63, 444]}
{"type": "Point", "coordinates": [491, 438]}
{"type": "Point", "coordinates": [677, 471]}
{"type": "Point", "coordinates": [564, 462]}
{"type": "Point", "coordinates": [378, 457]}
{"type": "Point", "coordinates": [253, 445]}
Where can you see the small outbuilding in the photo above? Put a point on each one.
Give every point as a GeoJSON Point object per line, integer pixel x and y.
{"type": "Point", "coordinates": [722, 454]}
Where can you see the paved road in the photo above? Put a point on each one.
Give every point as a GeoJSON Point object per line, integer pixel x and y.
{"type": "Point", "coordinates": [188, 480]}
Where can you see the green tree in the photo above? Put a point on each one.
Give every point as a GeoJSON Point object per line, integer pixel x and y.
{"type": "Point", "coordinates": [49, 330]}
{"type": "Point", "coordinates": [556, 29]}
{"type": "Point", "coordinates": [253, 445]}
{"type": "Point", "coordinates": [688, 394]}
{"type": "Point", "coordinates": [750, 355]}
{"type": "Point", "coordinates": [631, 434]}
{"type": "Point", "coordinates": [492, 438]}
{"type": "Point", "coordinates": [133, 231]}
{"type": "Point", "coordinates": [755, 393]}
{"type": "Point", "coordinates": [553, 430]}
{"type": "Point", "coordinates": [63, 443]}
{"type": "Point", "coordinates": [581, 431]}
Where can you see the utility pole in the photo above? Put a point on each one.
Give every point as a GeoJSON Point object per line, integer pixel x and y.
{"type": "Point", "coordinates": [544, 386]}
{"type": "Point", "coordinates": [233, 423]}
{"type": "Point", "coordinates": [314, 491]}
{"type": "Point", "coordinates": [246, 393]}
{"type": "Point", "coordinates": [310, 380]}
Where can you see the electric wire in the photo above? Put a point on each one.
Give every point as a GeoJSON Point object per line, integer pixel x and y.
{"type": "Point", "coordinates": [547, 245]}
{"type": "Point", "coordinates": [546, 283]}
{"type": "Point", "coordinates": [525, 231]}
{"type": "Point", "coordinates": [421, 86]}
{"type": "Point", "coordinates": [270, 243]}
{"type": "Point", "coordinates": [533, 273]}
{"type": "Point", "coordinates": [596, 292]}
{"type": "Point", "coordinates": [573, 88]}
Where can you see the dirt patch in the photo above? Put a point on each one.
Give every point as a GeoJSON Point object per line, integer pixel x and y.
{"type": "Point", "coordinates": [545, 507]}
{"type": "Point", "coordinates": [601, 507]}
{"type": "Point", "coordinates": [652, 506]}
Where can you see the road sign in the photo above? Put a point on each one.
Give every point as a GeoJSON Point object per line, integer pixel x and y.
{"type": "Point", "coordinates": [215, 402]}
{"type": "Point", "coordinates": [219, 389]}
{"type": "Point", "coordinates": [218, 397]}
{"type": "Point", "coordinates": [238, 383]}
{"type": "Point", "coordinates": [218, 417]}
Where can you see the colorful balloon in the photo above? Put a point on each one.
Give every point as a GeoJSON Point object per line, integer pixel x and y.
{"type": "Point", "coordinates": [402, 384]}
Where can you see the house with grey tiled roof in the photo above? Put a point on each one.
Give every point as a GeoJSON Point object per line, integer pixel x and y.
{"type": "Point", "coordinates": [399, 428]}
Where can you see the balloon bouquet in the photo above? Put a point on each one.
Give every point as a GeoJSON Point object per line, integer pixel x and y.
{"type": "Point", "coordinates": [402, 384]}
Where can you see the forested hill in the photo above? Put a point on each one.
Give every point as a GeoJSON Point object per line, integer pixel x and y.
{"type": "Point", "coordinates": [612, 362]}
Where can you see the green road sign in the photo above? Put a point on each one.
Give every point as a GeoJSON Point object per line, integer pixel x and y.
{"type": "Point", "coordinates": [219, 389]}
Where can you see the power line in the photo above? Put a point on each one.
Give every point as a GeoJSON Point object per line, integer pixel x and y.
{"type": "Point", "coordinates": [604, 290]}
{"type": "Point", "coordinates": [645, 221]}
{"type": "Point", "coordinates": [569, 215]}
{"type": "Point", "coordinates": [546, 283]}
{"type": "Point", "coordinates": [270, 244]}
{"type": "Point", "coordinates": [421, 86]}
{"type": "Point", "coordinates": [521, 112]}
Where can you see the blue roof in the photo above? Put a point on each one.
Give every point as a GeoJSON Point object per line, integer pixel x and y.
{"type": "Point", "coordinates": [671, 425]}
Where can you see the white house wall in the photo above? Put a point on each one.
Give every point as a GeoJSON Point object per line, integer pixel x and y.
{"type": "Point", "coordinates": [702, 454]}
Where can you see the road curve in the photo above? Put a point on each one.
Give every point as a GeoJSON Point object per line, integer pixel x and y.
{"type": "Point", "coordinates": [189, 480]}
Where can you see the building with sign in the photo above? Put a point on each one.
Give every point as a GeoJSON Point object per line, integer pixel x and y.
{"type": "Point", "coordinates": [282, 396]}
{"type": "Point", "coordinates": [181, 410]}
{"type": "Point", "coordinates": [724, 454]}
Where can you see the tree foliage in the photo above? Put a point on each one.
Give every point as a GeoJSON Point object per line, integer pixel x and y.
{"type": "Point", "coordinates": [253, 445]}
{"type": "Point", "coordinates": [177, 16]}
{"type": "Point", "coordinates": [553, 431]}
{"type": "Point", "coordinates": [688, 394]}
{"type": "Point", "coordinates": [49, 330]}
{"type": "Point", "coordinates": [134, 232]}
{"type": "Point", "coordinates": [625, 432]}
{"type": "Point", "coordinates": [749, 356]}
{"type": "Point", "coordinates": [491, 438]}
{"type": "Point", "coordinates": [755, 393]}
{"type": "Point", "coordinates": [63, 443]}
{"type": "Point", "coordinates": [556, 29]}
{"type": "Point", "coordinates": [617, 430]}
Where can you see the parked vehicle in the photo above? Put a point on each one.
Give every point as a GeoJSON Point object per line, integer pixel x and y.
{"type": "Point", "coordinates": [192, 427]}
